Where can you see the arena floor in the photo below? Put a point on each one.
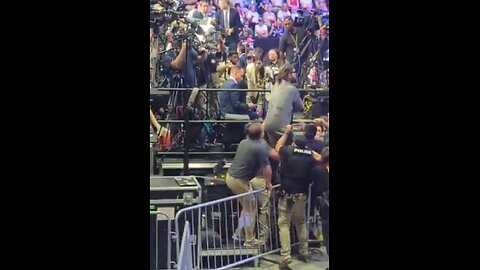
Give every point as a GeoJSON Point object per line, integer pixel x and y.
{"type": "Point", "coordinates": [269, 264]}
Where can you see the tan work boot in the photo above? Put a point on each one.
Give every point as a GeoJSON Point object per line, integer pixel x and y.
{"type": "Point", "coordinates": [284, 264]}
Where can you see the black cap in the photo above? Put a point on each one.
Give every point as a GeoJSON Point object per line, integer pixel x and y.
{"type": "Point", "coordinates": [310, 131]}
{"type": "Point", "coordinates": [300, 141]}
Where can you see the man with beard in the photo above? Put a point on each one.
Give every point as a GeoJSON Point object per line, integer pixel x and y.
{"type": "Point", "coordinates": [284, 100]}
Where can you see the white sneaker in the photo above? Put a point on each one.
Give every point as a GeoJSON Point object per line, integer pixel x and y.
{"type": "Point", "coordinates": [236, 237]}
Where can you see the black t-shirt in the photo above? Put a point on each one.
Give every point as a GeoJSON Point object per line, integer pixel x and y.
{"type": "Point", "coordinates": [295, 167]}
{"type": "Point", "coordinates": [315, 145]}
{"type": "Point", "coordinates": [205, 69]}
{"type": "Point", "coordinates": [320, 177]}
{"type": "Point", "coordinates": [288, 43]}
{"type": "Point", "coordinates": [324, 45]}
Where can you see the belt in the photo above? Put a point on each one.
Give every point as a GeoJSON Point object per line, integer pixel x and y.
{"type": "Point", "coordinates": [283, 193]}
{"type": "Point", "coordinates": [291, 198]}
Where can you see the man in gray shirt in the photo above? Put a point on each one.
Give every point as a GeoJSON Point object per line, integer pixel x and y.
{"type": "Point", "coordinates": [251, 157]}
{"type": "Point", "coordinates": [284, 100]}
{"type": "Point", "coordinates": [263, 198]}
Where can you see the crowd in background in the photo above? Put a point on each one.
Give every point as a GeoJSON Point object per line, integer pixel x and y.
{"type": "Point", "coordinates": [238, 64]}
{"type": "Point", "coordinates": [263, 18]}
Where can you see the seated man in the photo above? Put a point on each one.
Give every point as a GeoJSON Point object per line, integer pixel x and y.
{"type": "Point", "coordinates": [233, 105]}
{"type": "Point", "coordinates": [234, 102]}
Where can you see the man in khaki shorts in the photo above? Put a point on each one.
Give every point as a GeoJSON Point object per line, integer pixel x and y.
{"type": "Point", "coordinates": [250, 158]}
{"type": "Point", "coordinates": [263, 198]}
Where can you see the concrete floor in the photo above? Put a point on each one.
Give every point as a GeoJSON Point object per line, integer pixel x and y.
{"type": "Point", "coordinates": [271, 262]}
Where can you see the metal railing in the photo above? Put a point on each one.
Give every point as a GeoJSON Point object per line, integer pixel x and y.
{"type": "Point", "coordinates": [217, 227]}
{"type": "Point", "coordinates": [185, 257]}
{"type": "Point", "coordinates": [158, 91]}
{"type": "Point", "coordinates": [216, 223]}
{"type": "Point", "coordinates": [158, 255]}
{"type": "Point", "coordinates": [187, 121]}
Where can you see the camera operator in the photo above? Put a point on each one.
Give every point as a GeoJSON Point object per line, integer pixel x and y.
{"type": "Point", "coordinates": [173, 61]}
{"type": "Point", "coordinates": [184, 62]}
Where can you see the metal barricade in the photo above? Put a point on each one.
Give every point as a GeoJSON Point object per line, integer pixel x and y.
{"type": "Point", "coordinates": [217, 225]}
{"type": "Point", "coordinates": [314, 220]}
{"type": "Point", "coordinates": [214, 223]}
{"type": "Point", "coordinates": [157, 252]}
{"type": "Point", "coordinates": [185, 257]}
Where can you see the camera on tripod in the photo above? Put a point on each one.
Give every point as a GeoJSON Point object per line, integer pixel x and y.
{"type": "Point", "coordinates": [312, 22]}
{"type": "Point", "coordinates": [166, 11]}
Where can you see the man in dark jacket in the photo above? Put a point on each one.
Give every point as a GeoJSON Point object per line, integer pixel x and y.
{"type": "Point", "coordinates": [228, 20]}
{"type": "Point", "coordinates": [234, 102]}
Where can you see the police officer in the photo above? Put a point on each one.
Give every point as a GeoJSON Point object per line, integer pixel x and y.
{"type": "Point", "coordinates": [296, 163]}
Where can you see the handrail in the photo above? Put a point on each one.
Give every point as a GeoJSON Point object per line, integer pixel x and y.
{"type": "Point", "coordinates": [220, 200]}
{"type": "Point", "coordinates": [199, 206]}
{"type": "Point", "coordinates": [157, 91]}
{"type": "Point", "coordinates": [228, 121]}
{"type": "Point", "coordinates": [169, 245]}
{"type": "Point", "coordinates": [187, 121]}
{"type": "Point", "coordinates": [159, 152]}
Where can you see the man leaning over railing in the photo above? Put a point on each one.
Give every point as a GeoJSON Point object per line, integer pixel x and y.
{"type": "Point", "coordinates": [258, 182]}
{"type": "Point", "coordinates": [284, 101]}
{"type": "Point", "coordinates": [250, 157]}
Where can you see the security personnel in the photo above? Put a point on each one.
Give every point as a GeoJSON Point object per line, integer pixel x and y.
{"type": "Point", "coordinates": [320, 191]}
{"type": "Point", "coordinates": [296, 163]}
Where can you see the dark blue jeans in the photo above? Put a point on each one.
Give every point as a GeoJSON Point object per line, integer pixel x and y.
{"type": "Point", "coordinates": [253, 115]}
